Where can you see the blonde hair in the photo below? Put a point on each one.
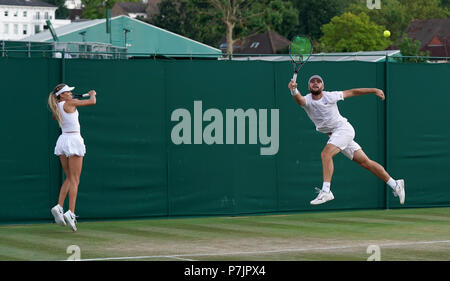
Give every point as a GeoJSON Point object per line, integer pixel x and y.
{"type": "Point", "coordinates": [53, 103]}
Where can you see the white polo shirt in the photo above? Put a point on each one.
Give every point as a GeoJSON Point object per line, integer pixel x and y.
{"type": "Point", "coordinates": [324, 112]}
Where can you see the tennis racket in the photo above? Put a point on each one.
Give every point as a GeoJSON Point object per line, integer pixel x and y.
{"type": "Point", "coordinates": [300, 51]}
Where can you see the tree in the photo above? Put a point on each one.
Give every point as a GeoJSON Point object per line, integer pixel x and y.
{"type": "Point", "coordinates": [62, 12]}
{"type": "Point", "coordinates": [231, 12]}
{"type": "Point", "coordinates": [190, 18]}
{"type": "Point", "coordinates": [280, 16]}
{"type": "Point", "coordinates": [392, 15]}
{"type": "Point", "coordinates": [445, 4]}
{"type": "Point", "coordinates": [397, 14]}
{"type": "Point", "coordinates": [411, 47]}
{"type": "Point", "coordinates": [425, 9]}
{"type": "Point", "coordinates": [313, 14]}
{"type": "Point", "coordinates": [242, 17]}
{"type": "Point", "coordinates": [208, 21]}
{"type": "Point", "coordinates": [351, 33]}
{"type": "Point", "coordinates": [96, 9]}
{"type": "Point", "coordinates": [173, 14]}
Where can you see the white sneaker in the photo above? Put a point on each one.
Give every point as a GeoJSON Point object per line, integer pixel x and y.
{"type": "Point", "coordinates": [399, 191]}
{"type": "Point", "coordinates": [57, 213]}
{"type": "Point", "coordinates": [322, 197]}
{"type": "Point", "coordinates": [71, 220]}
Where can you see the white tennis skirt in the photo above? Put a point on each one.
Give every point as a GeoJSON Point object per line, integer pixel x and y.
{"type": "Point", "coordinates": [70, 144]}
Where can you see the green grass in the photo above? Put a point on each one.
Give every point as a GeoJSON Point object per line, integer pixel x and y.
{"type": "Point", "coordinates": [401, 234]}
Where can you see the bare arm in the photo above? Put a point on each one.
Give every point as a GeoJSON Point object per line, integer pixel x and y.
{"type": "Point", "coordinates": [91, 101]}
{"type": "Point", "coordinates": [297, 95]}
{"type": "Point", "coordinates": [71, 105]}
{"type": "Point", "coordinates": [363, 91]}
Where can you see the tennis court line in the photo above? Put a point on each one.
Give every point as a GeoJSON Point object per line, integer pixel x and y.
{"type": "Point", "coordinates": [185, 256]}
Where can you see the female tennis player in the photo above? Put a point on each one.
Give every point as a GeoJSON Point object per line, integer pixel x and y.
{"type": "Point", "coordinates": [321, 108]}
{"type": "Point", "coordinates": [69, 147]}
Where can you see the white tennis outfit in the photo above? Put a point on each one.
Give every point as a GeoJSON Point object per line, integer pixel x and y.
{"type": "Point", "coordinates": [325, 115]}
{"type": "Point", "coordinates": [70, 141]}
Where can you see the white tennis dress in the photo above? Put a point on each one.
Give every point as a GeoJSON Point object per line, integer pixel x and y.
{"type": "Point", "coordinates": [70, 141]}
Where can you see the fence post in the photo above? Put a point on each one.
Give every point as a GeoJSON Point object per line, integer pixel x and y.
{"type": "Point", "coordinates": [63, 66]}
{"type": "Point", "coordinates": [63, 80]}
{"type": "Point", "coordinates": [386, 127]}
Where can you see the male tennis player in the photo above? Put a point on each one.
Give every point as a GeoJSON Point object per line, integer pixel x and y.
{"type": "Point", "coordinates": [321, 108]}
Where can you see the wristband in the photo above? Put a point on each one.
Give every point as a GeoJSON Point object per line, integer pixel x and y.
{"type": "Point", "coordinates": [294, 92]}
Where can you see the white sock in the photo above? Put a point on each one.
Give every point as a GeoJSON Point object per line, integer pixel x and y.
{"type": "Point", "coordinates": [326, 186]}
{"type": "Point", "coordinates": [392, 183]}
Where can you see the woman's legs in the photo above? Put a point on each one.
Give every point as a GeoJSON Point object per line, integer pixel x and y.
{"type": "Point", "coordinates": [72, 169]}
{"type": "Point", "coordinates": [75, 166]}
{"type": "Point", "coordinates": [66, 185]}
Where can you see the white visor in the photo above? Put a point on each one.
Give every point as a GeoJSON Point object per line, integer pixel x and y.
{"type": "Point", "coordinates": [64, 89]}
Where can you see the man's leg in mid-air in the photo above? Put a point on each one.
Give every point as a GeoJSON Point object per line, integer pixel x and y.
{"type": "Point", "coordinates": [327, 155]}
{"type": "Point", "coordinates": [398, 186]}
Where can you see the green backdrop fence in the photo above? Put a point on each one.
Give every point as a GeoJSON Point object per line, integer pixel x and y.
{"type": "Point", "coordinates": [133, 168]}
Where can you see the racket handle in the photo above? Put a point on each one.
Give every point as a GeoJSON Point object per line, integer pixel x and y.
{"type": "Point", "coordinates": [81, 96]}
{"type": "Point", "coordinates": [294, 78]}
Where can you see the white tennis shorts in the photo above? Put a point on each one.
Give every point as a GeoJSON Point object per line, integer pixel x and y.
{"type": "Point", "coordinates": [342, 137]}
{"type": "Point", "coordinates": [70, 144]}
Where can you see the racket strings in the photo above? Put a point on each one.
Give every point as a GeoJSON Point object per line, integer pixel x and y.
{"type": "Point", "coordinates": [300, 49]}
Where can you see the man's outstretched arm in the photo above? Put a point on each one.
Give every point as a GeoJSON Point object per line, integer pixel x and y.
{"type": "Point", "coordinates": [363, 91]}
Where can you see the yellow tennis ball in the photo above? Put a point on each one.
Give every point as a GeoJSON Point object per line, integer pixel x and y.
{"type": "Point", "coordinates": [386, 33]}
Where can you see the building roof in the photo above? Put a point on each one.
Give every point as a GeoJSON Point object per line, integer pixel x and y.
{"type": "Point", "coordinates": [433, 34]}
{"type": "Point", "coordinates": [269, 42]}
{"type": "Point", "coordinates": [63, 30]}
{"type": "Point", "coordinates": [152, 9]}
{"type": "Point", "coordinates": [141, 38]}
{"type": "Point", "coordinates": [132, 7]}
{"type": "Point", "coordinates": [31, 3]}
{"type": "Point", "coordinates": [75, 14]}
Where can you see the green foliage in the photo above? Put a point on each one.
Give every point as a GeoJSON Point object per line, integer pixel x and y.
{"type": "Point", "coordinates": [351, 33]}
{"type": "Point", "coordinates": [96, 9]}
{"type": "Point", "coordinates": [313, 14]}
{"type": "Point", "coordinates": [190, 18]}
{"type": "Point", "coordinates": [392, 15]}
{"type": "Point", "coordinates": [62, 12]}
{"type": "Point", "coordinates": [202, 21]}
{"type": "Point", "coordinates": [424, 9]}
{"type": "Point", "coordinates": [410, 47]}
{"type": "Point", "coordinates": [445, 4]}
{"type": "Point", "coordinates": [277, 15]}
{"type": "Point", "coordinates": [397, 14]}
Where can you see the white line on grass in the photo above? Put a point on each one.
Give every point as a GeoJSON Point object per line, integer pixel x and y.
{"type": "Point", "coordinates": [184, 256]}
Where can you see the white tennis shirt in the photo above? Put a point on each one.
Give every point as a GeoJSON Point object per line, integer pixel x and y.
{"type": "Point", "coordinates": [324, 112]}
{"type": "Point", "coordinates": [70, 121]}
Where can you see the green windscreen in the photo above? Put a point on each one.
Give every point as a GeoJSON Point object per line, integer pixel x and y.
{"type": "Point", "coordinates": [226, 139]}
